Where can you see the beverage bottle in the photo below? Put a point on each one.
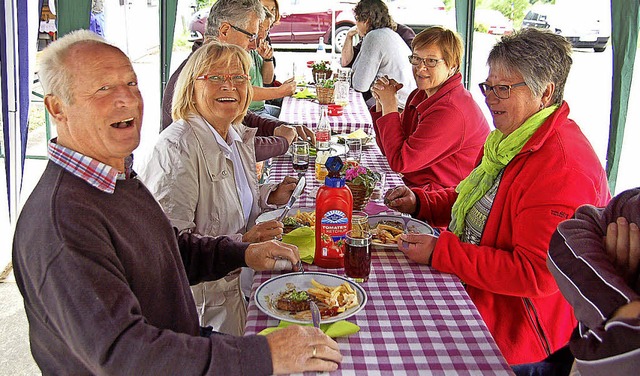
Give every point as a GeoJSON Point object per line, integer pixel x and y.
{"type": "Point", "coordinates": [320, 51]}
{"type": "Point", "coordinates": [323, 132]}
{"type": "Point", "coordinates": [334, 205]}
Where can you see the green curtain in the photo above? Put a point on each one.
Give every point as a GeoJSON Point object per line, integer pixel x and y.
{"type": "Point", "coordinates": [465, 11]}
{"type": "Point", "coordinates": [167, 28]}
{"type": "Point", "coordinates": [624, 38]}
{"type": "Point", "coordinates": [72, 15]}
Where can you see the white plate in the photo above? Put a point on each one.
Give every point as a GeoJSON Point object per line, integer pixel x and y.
{"type": "Point", "coordinates": [272, 288]}
{"type": "Point", "coordinates": [336, 149]}
{"type": "Point", "coordinates": [267, 216]}
{"type": "Point", "coordinates": [366, 141]}
{"type": "Point", "coordinates": [411, 224]}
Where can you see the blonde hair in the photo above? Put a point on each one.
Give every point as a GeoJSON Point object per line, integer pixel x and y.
{"type": "Point", "coordinates": [448, 41]}
{"type": "Point", "coordinates": [210, 54]}
{"type": "Point", "coordinates": [55, 79]}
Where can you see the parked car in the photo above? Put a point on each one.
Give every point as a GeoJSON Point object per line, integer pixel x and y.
{"type": "Point", "coordinates": [301, 22]}
{"type": "Point", "coordinates": [420, 14]}
{"type": "Point", "coordinates": [582, 27]}
{"type": "Point", "coordinates": [494, 21]}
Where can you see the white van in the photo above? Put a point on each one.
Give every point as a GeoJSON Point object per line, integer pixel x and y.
{"type": "Point", "coordinates": [581, 25]}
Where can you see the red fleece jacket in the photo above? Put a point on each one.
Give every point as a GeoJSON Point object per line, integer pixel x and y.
{"type": "Point", "coordinates": [436, 140]}
{"type": "Point", "coordinates": [506, 275]}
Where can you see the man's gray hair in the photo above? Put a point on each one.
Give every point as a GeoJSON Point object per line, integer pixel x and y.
{"type": "Point", "coordinates": [540, 56]}
{"type": "Point", "coordinates": [55, 79]}
{"type": "Point", "coordinates": [235, 12]}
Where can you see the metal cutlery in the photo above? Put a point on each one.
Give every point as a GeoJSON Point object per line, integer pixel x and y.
{"type": "Point", "coordinates": [294, 196]}
{"type": "Point", "coordinates": [315, 314]}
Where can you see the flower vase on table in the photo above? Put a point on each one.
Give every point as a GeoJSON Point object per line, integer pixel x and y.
{"type": "Point", "coordinates": [361, 181]}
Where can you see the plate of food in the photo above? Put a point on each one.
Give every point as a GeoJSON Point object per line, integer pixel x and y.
{"type": "Point", "coordinates": [385, 229]}
{"type": "Point", "coordinates": [365, 139]}
{"type": "Point", "coordinates": [336, 149]}
{"type": "Point", "coordinates": [286, 297]}
{"type": "Point", "coordinates": [297, 217]}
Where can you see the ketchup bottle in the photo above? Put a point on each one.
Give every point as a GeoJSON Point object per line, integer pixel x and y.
{"type": "Point", "coordinates": [334, 205]}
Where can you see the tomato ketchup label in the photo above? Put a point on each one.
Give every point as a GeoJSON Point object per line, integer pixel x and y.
{"type": "Point", "coordinates": [333, 227]}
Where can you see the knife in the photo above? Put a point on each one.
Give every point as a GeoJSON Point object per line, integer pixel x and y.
{"type": "Point", "coordinates": [315, 314]}
{"type": "Point", "coordinates": [294, 196]}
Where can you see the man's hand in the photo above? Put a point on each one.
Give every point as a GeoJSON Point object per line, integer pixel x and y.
{"type": "Point", "coordinates": [287, 131]}
{"type": "Point", "coordinates": [263, 256]}
{"type": "Point", "coordinates": [265, 50]}
{"type": "Point", "coordinates": [306, 134]}
{"type": "Point", "coordinates": [263, 231]}
{"type": "Point", "coordinates": [296, 349]}
{"type": "Point", "coordinates": [402, 199]}
{"type": "Point", "coordinates": [288, 87]}
{"type": "Point", "coordinates": [622, 245]}
{"type": "Point", "coordinates": [281, 195]}
{"type": "Point", "coordinates": [352, 32]}
{"type": "Point", "coordinates": [417, 247]}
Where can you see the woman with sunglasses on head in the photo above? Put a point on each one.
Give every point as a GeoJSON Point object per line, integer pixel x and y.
{"type": "Point", "coordinates": [434, 142]}
{"type": "Point", "coordinates": [536, 168]}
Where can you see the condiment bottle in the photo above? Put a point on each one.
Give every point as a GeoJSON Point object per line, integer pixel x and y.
{"type": "Point", "coordinates": [334, 205]}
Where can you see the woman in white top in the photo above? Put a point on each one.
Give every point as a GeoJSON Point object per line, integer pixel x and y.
{"type": "Point", "coordinates": [383, 51]}
{"type": "Point", "coordinates": [203, 173]}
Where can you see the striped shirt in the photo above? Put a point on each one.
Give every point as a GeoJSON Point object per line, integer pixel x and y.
{"type": "Point", "coordinates": [477, 216]}
{"type": "Point", "coordinates": [96, 173]}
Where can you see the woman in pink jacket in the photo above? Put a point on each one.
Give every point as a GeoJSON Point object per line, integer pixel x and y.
{"type": "Point", "coordinates": [536, 169]}
{"type": "Point", "coordinates": [437, 137]}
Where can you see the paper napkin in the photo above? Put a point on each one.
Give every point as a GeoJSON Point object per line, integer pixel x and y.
{"type": "Point", "coordinates": [336, 329]}
{"type": "Point", "coordinates": [305, 239]}
{"type": "Point", "coordinates": [304, 94]}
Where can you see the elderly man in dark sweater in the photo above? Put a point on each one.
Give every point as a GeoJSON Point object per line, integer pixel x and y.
{"type": "Point", "coordinates": [104, 277]}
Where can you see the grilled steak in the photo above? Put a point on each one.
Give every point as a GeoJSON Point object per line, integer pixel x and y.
{"type": "Point", "coordinates": [293, 301]}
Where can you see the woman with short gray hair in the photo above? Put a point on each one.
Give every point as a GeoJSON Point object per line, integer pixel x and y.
{"type": "Point", "coordinates": [535, 170]}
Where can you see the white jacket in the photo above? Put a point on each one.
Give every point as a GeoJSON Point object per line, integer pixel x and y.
{"type": "Point", "coordinates": [194, 183]}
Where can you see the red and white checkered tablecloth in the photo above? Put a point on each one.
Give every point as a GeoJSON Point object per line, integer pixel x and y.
{"type": "Point", "coordinates": [371, 157]}
{"type": "Point", "coordinates": [303, 111]}
{"type": "Point", "coordinates": [417, 321]}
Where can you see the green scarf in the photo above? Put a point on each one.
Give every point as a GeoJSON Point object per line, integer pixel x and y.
{"type": "Point", "coordinates": [498, 152]}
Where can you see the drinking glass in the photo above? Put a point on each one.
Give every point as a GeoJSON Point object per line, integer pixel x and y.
{"type": "Point", "coordinates": [357, 256]}
{"type": "Point", "coordinates": [378, 190]}
{"type": "Point", "coordinates": [354, 149]}
{"type": "Point", "coordinates": [359, 222]}
{"type": "Point", "coordinates": [300, 157]}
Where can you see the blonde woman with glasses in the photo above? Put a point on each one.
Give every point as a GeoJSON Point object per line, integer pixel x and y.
{"type": "Point", "coordinates": [202, 170]}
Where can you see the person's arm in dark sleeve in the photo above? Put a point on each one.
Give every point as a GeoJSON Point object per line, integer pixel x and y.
{"type": "Point", "coordinates": [269, 147]}
{"type": "Point", "coordinates": [207, 258]}
{"type": "Point", "coordinates": [265, 126]}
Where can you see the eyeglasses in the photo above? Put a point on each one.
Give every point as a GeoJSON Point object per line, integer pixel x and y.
{"type": "Point", "coordinates": [251, 36]}
{"type": "Point", "coordinates": [417, 60]}
{"type": "Point", "coordinates": [501, 91]}
{"type": "Point", "coordinates": [220, 79]}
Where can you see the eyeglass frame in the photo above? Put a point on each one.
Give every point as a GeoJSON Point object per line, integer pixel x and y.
{"type": "Point", "coordinates": [423, 61]}
{"type": "Point", "coordinates": [252, 37]}
{"type": "Point", "coordinates": [227, 77]}
{"type": "Point", "coordinates": [492, 88]}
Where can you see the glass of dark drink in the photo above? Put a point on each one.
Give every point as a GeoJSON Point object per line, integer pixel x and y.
{"type": "Point", "coordinates": [357, 255]}
{"type": "Point", "coordinates": [300, 157]}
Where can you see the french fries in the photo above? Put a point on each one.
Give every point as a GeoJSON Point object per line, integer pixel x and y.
{"type": "Point", "coordinates": [386, 234]}
{"type": "Point", "coordinates": [306, 217]}
{"type": "Point", "coordinates": [342, 297]}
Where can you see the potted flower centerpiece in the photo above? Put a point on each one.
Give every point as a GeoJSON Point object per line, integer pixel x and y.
{"type": "Point", "coordinates": [321, 70]}
{"type": "Point", "coordinates": [361, 180]}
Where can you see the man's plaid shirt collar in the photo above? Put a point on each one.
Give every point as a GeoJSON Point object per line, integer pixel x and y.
{"type": "Point", "coordinates": [95, 173]}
